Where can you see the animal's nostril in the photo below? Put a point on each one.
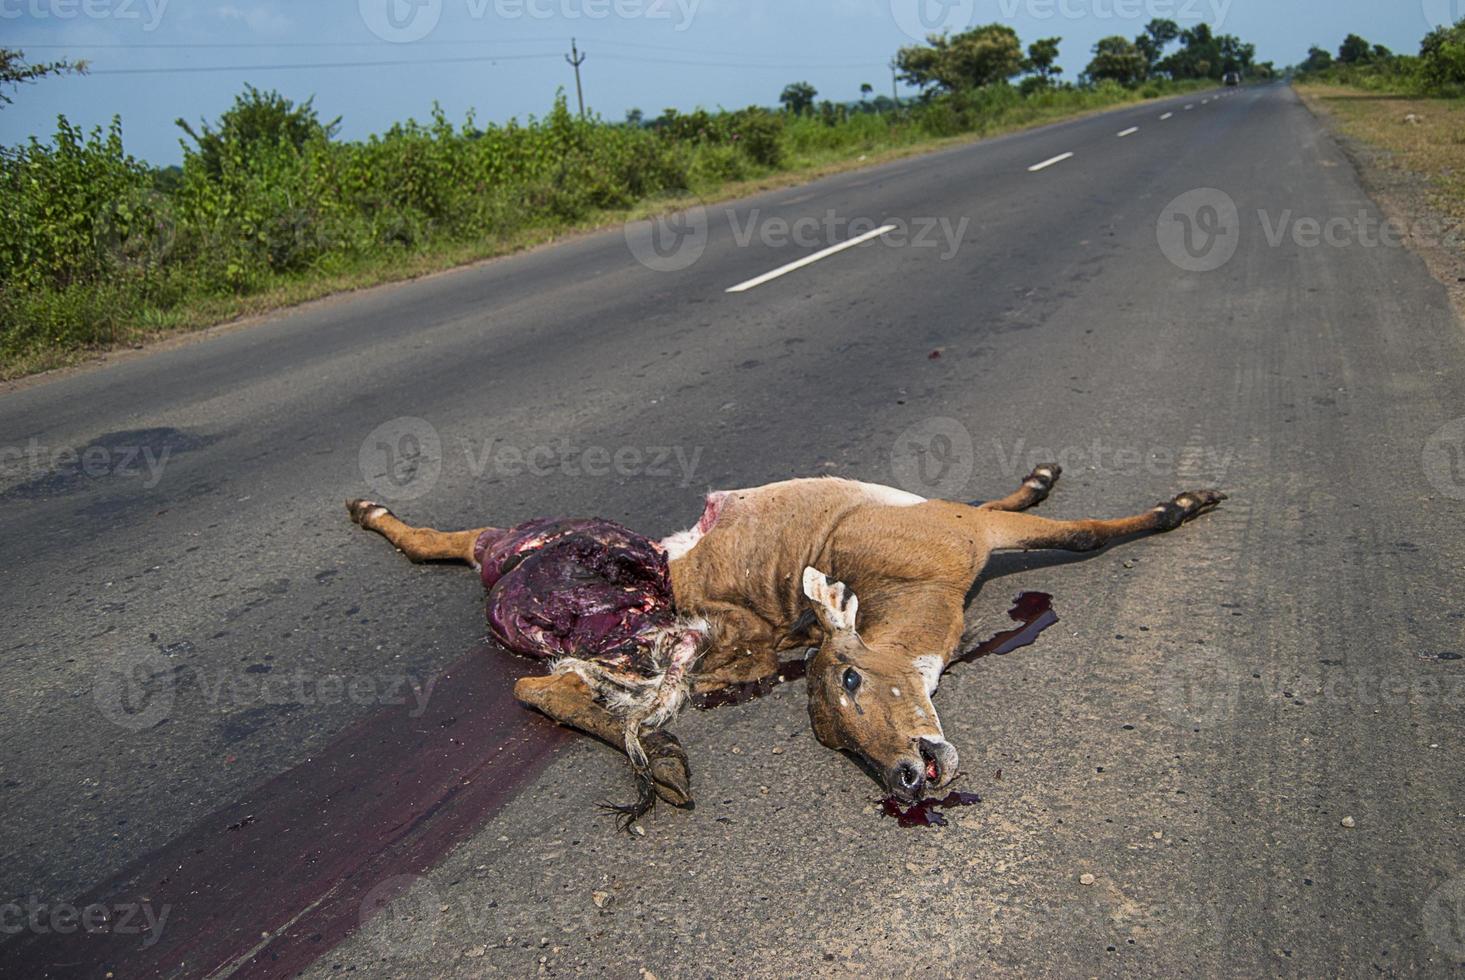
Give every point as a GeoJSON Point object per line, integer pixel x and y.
{"type": "Point", "coordinates": [908, 774]}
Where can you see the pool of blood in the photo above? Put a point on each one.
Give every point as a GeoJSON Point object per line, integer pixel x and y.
{"type": "Point", "coordinates": [1033, 611]}
{"type": "Point", "coordinates": [927, 812]}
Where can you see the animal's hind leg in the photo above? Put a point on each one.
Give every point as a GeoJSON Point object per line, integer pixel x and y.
{"type": "Point", "coordinates": [417, 543]}
{"type": "Point", "coordinates": [568, 700]}
{"type": "Point", "coordinates": [1028, 533]}
{"type": "Point", "coordinates": [1034, 490]}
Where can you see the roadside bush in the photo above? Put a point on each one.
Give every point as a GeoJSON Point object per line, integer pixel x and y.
{"type": "Point", "coordinates": [1442, 57]}
{"type": "Point", "coordinates": [95, 246]}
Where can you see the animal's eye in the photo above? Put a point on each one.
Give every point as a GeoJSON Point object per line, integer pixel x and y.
{"type": "Point", "coordinates": [851, 680]}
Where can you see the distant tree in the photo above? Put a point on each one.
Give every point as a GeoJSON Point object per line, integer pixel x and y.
{"type": "Point", "coordinates": [798, 98]}
{"type": "Point", "coordinates": [16, 71]}
{"type": "Point", "coordinates": [1117, 59]}
{"type": "Point", "coordinates": [634, 118]}
{"type": "Point", "coordinates": [1235, 54]}
{"type": "Point", "coordinates": [1204, 54]}
{"type": "Point", "coordinates": [866, 90]}
{"type": "Point", "coordinates": [1354, 50]}
{"type": "Point", "coordinates": [1043, 57]}
{"type": "Point", "coordinates": [980, 56]}
{"type": "Point", "coordinates": [258, 118]}
{"type": "Point", "coordinates": [1158, 33]}
{"type": "Point", "coordinates": [1318, 59]}
{"type": "Point", "coordinates": [1442, 56]}
{"type": "Point", "coordinates": [1381, 53]}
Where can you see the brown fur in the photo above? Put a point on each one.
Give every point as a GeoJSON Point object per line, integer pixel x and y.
{"type": "Point", "coordinates": [885, 580]}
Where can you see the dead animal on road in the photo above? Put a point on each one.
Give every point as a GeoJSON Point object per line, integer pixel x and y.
{"type": "Point", "coordinates": [870, 579]}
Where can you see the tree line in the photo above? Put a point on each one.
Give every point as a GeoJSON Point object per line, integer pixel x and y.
{"type": "Point", "coordinates": [1438, 69]}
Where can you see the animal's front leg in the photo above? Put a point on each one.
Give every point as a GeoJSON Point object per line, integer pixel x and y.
{"type": "Point", "coordinates": [746, 652]}
{"type": "Point", "coordinates": [746, 667]}
{"type": "Point", "coordinates": [568, 700]}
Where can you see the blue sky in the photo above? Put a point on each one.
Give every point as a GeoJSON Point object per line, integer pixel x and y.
{"type": "Point", "coordinates": [504, 58]}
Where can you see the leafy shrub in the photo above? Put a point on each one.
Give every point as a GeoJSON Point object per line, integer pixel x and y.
{"type": "Point", "coordinates": [95, 245]}
{"type": "Point", "coordinates": [1442, 57]}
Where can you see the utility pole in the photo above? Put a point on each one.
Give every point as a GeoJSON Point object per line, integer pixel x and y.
{"type": "Point", "coordinates": [577, 59]}
{"type": "Point", "coordinates": [894, 82]}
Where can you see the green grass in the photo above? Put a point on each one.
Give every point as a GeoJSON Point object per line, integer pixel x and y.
{"type": "Point", "coordinates": [97, 252]}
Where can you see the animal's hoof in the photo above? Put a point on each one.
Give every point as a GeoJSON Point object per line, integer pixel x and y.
{"type": "Point", "coordinates": [1189, 505]}
{"type": "Point", "coordinates": [669, 767]}
{"type": "Point", "coordinates": [1044, 476]}
{"type": "Point", "coordinates": [360, 510]}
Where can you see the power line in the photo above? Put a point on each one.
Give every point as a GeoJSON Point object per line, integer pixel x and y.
{"type": "Point", "coordinates": [184, 46]}
{"type": "Point", "coordinates": [482, 59]}
{"type": "Point", "coordinates": [194, 69]}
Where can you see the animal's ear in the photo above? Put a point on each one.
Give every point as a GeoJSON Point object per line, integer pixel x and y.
{"type": "Point", "coordinates": [834, 603]}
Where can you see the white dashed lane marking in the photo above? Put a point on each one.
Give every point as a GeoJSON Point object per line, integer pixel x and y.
{"type": "Point", "coordinates": [1049, 162]}
{"type": "Point", "coordinates": [807, 260]}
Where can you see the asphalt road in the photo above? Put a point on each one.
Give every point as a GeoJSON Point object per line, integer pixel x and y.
{"type": "Point", "coordinates": [1192, 735]}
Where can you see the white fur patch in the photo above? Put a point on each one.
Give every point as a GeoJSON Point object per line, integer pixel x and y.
{"type": "Point", "coordinates": [677, 545]}
{"type": "Point", "coordinates": [831, 597]}
{"type": "Point", "coordinates": [890, 496]}
{"type": "Point", "coordinates": [931, 667]}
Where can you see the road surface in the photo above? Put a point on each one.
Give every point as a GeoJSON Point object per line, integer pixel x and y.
{"type": "Point", "coordinates": [1237, 752]}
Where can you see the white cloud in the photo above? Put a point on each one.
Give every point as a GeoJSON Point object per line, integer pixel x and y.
{"type": "Point", "coordinates": [259, 18]}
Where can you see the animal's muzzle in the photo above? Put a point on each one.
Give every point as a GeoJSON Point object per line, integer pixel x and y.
{"type": "Point", "coordinates": [906, 780]}
{"type": "Point", "coordinates": [933, 763]}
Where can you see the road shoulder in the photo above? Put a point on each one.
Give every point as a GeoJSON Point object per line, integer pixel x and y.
{"type": "Point", "coordinates": [1409, 157]}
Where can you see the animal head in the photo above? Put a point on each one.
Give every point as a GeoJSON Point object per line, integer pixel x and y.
{"type": "Point", "coordinates": [874, 702]}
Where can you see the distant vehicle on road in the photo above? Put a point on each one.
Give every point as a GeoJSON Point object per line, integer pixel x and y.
{"type": "Point", "coordinates": [1231, 78]}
